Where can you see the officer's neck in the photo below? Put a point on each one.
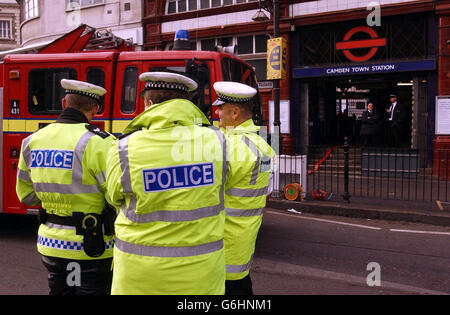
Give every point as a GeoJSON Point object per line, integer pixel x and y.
{"type": "Point", "coordinates": [88, 114]}
{"type": "Point", "coordinates": [240, 120]}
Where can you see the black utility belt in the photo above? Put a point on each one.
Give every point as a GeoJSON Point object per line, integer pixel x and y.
{"type": "Point", "coordinates": [91, 226]}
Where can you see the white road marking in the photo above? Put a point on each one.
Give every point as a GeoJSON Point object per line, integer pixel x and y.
{"type": "Point", "coordinates": [420, 232]}
{"type": "Point", "coordinates": [275, 267]}
{"type": "Point", "coordinates": [327, 221]}
{"type": "Point", "coordinates": [357, 225]}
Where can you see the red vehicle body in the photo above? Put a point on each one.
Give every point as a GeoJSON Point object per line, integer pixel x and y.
{"type": "Point", "coordinates": [31, 94]}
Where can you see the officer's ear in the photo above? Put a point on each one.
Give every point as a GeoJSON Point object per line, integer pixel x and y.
{"type": "Point", "coordinates": [148, 103]}
{"type": "Point", "coordinates": [235, 112]}
{"type": "Point", "coordinates": [63, 103]}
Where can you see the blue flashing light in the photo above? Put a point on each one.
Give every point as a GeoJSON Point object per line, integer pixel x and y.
{"type": "Point", "coordinates": [182, 35]}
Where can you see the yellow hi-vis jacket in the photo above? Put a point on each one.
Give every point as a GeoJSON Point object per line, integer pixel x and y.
{"type": "Point", "coordinates": [250, 163]}
{"type": "Point", "coordinates": [62, 167]}
{"type": "Point", "coordinates": [167, 181]}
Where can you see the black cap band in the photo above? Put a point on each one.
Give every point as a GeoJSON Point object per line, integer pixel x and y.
{"type": "Point", "coordinates": [91, 95]}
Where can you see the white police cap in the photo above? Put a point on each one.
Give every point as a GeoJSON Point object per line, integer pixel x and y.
{"type": "Point", "coordinates": [233, 92]}
{"type": "Point", "coordinates": [167, 81]}
{"type": "Point", "coordinates": [83, 88]}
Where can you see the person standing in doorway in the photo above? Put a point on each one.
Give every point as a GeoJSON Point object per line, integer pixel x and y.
{"type": "Point", "coordinates": [369, 126]}
{"type": "Point", "coordinates": [396, 117]}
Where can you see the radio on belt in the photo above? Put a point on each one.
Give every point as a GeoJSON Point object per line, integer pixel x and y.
{"type": "Point", "coordinates": [176, 177]}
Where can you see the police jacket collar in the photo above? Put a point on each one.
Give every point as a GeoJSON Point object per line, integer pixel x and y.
{"type": "Point", "coordinates": [246, 126]}
{"type": "Point", "coordinates": [169, 114]}
{"type": "Point", "coordinates": [72, 116]}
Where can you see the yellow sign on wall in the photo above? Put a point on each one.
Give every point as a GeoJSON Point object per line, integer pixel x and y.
{"type": "Point", "coordinates": [276, 58]}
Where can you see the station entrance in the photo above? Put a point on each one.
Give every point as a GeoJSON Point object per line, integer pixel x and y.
{"type": "Point", "coordinates": [334, 108]}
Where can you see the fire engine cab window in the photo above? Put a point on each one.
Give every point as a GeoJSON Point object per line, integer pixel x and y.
{"type": "Point", "coordinates": [44, 89]}
{"type": "Point", "coordinates": [129, 89]}
{"type": "Point", "coordinates": [97, 76]}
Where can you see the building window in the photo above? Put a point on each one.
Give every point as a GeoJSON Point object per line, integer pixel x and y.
{"type": "Point", "coordinates": [127, 6]}
{"type": "Point", "coordinates": [179, 6]}
{"type": "Point", "coordinates": [251, 48]}
{"type": "Point", "coordinates": [31, 9]}
{"type": "Point", "coordinates": [73, 4]}
{"type": "Point", "coordinates": [252, 44]}
{"type": "Point", "coordinates": [5, 30]}
{"type": "Point", "coordinates": [210, 44]}
{"type": "Point", "coordinates": [260, 66]}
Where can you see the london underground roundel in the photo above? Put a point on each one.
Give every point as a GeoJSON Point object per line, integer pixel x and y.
{"type": "Point", "coordinates": [348, 45]}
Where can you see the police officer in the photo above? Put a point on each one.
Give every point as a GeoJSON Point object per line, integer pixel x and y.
{"type": "Point", "coordinates": [166, 176]}
{"type": "Point", "coordinates": [250, 164]}
{"type": "Point", "coordinates": [62, 168]}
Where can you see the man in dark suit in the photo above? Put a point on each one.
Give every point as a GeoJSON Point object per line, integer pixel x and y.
{"type": "Point", "coordinates": [369, 126]}
{"type": "Point", "coordinates": [396, 118]}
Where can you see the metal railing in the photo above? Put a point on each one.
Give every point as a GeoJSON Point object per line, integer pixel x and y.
{"type": "Point", "coordinates": [373, 172]}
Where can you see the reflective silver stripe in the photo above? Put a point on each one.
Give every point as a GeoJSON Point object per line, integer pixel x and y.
{"type": "Point", "coordinates": [125, 165]}
{"type": "Point", "coordinates": [225, 165]}
{"type": "Point", "coordinates": [58, 226]}
{"type": "Point", "coordinates": [26, 151]}
{"type": "Point", "coordinates": [172, 215]}
{"type": "Point", "coordinates": [101, 178]}
{"type": "Point", "coordinates": [23, 175]}
{"type": "Point", "coordinates": [230, 212]}
{"type": "Point", "coordinates": [77, 186]}
{"type": "Point", "coordinates": [167, 215]}
{"type": "Point", "coordinates": [162, 251]}
{"type": "Point", "coordinates": [66, 188]}
{"type": "Point", "coordinates": [238, 192]}
{"type": "Point", "coordinates": [31, 200]}
{"type": "Point", "coordinates": [130, 211]}
{"type": "Point", "coordinates": [255, 151]}
{"type": "Point", "coordinates": [80, 148]}
{"type": "Point", "coordinates": [238, 268]}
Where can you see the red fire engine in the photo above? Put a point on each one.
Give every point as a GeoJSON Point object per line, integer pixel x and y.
{"type": "Point", "coordinates": [31, 94]}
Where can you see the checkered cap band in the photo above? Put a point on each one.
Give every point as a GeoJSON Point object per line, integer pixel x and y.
{"type": "Point", "coordinates": [165, 86]}
{"type": "Point", "coordinates": [231, 99]}
{"type": "Point", "coordinates": [91, 95]}
{"type": "Point", "coordinates": [67, 245]}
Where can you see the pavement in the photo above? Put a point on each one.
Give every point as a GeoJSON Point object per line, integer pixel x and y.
{"type": "Point", "coordinates": [370, 208]}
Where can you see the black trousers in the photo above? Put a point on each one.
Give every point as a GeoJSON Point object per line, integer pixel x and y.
{"type": "Point", "coordinates": [239, 287]}
{"type": "Point", "coordinates": [78, 277]}
{"type": "Point", "coordinates": [395, 134]}
{"type": "Point", "coordinates": [369, 140]}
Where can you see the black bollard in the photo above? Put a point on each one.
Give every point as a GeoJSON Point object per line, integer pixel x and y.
{"type": "Point", "coordinates": [346, 194]}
